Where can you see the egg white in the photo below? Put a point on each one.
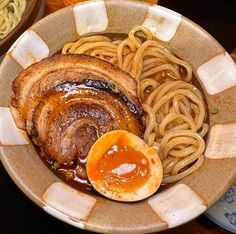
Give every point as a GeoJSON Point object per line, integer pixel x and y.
{"type": "Point", "coordinates": [153, 181]}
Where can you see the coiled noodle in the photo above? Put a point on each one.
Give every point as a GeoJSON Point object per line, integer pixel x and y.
{"type": "Point", "coordinates": [11, 12]}
{"type": "Point", "coordinates": [175, 113]}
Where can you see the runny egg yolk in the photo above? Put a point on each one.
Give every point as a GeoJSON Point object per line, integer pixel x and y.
{"type": "Point", "coordinates": [121, 167]}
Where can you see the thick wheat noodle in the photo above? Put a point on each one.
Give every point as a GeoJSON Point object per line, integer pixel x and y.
{"type": "Point", "coordinates": [3, 3]}
{"type": "Point", "coordinates": [161, 68]}
{"type": "Point", "coordinates": [204, 130]}
{"type": "Point", "coordinates": [150, 65]}
{"type": "Point", "coordinates": [184, 133]}
{"type": "Point", "coordinates": [181, 175]}
{"type": "Point", "coordinates": [191, 96]}
{"type": "Point", "coordinates": [67, 47]}
{"type": "Point", "coordinates": [151, 53]}
{"type": "Point", "coordinates": [172, 116]}
{"type": "Point", "coordinates": [151, 119]}
{"type": "Point", "coordinates": [72, 47]}
{"type": "Point", "coordinates": [177, 61]}
{"type": "Point", "coordinates": [147, 83]}
{"type": "Point", "coordinates": [185, 110]}
{"type": "Point", "coordinates": [95, 45]}
{"type": "Point", "coordinates": [189, 154]}
{"type": "Point", "coordinates": [120, 50]}
{"type": "Point", "coordinates": [99, 52]}
{"type": "Point", "coordinates": [127, 62]}
{"type": "Point", "coordinates": [180, 126]}
{"type": "Point", "coordinates": [183, 163]}
{"type": "Point", "coordinates": [178, 141]}
{"type": "Point", "coordinates": [139, 57]}
{"type": "Point", "coordinates": [168, 87]}
{"type": "Point", "coordinates": [11, 12]}
{"type": "Point", "coordinates": [191, 150]}
{"type": "Point", "coordinates": [174, 109]}
{"type": "Point", "coordinates": [145, 31]}
{"type": "Point", "coordinates": [151, 139]}
{"type": "Point", "coordinates": [157, 93]}
{"type": "Point", "coordinates": [112, 60]}
{"type": "Point", "coordinates": [113, 50]}
{"type": "Point", "coordinates": [168, 164]}
{"type": "Point", "coordinates": [183, 152]}
{"type": "Point", "coordinates": [148, 61]}
{"type": "Point", "coordinates": [173, 138]}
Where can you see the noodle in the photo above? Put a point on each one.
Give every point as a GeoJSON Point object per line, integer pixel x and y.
{"type": "Point", "coordinates": [174, 108]}
{"type": "Point", "coordinates": [11, 12]}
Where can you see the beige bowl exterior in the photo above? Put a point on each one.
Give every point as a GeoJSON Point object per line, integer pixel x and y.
{"type": "Point", "coordinates": [181, 202]}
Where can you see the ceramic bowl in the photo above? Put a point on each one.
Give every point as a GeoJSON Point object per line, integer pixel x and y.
{"type": "Point", "coordinates": [34, 10]}
{"type": "Point", "coordinates": [182, 201]}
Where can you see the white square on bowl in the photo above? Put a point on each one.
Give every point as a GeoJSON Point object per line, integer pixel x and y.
{"type": "Point", "coordinates": [90, 17]}
{"type": "Point", "coordinates": [9, 133]}
{"type": "Point", "coordinates": [29, 49]}
{"type": "Point", "coordinates": [177, 205]}
{"type": "Point", "coordinates": [218, 73]}
{"type": "Point", "coordinates": [162, 22]}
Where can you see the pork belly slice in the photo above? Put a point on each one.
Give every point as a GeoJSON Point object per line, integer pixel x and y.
{"type": "Point", "coordinates": [72, 116]}
{"type": "Point", "coordinates": [34, 82]}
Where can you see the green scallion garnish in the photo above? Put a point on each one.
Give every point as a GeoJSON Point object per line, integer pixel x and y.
{"type": "Point", "coordinates": [113, 128]}
{"type": "Point", "coordinates": [10, 9]}
{"type": "Point", "coordinates": [214, 111]}
{"type": "Point", "coordinates": [69, 175]}
{"type": "Point", "coordinates": [114, 87]}
{"type": "Point", "coordinates": [56, 165]}
{"type": "Point", "coordinates": [142, 173]}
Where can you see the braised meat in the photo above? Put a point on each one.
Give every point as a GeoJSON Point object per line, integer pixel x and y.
{"type": "Point", "coordinates": [67, 102]}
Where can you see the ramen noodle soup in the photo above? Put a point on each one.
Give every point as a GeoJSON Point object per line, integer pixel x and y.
{"type": "Point", "coordinates": [11, 12]}
{"type": "Point", "coordinates": [114, 112]}
{"type": "Point", "coordinates": [175, 112]}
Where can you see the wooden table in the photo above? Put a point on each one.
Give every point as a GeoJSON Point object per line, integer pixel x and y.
{"type": "Point", "coordinates": [19, 215]}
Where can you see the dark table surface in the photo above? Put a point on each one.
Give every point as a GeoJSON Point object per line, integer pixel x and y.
{"type": "Point", "coordinates": [18, 215]}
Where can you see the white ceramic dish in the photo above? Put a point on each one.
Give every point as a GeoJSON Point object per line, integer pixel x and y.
{"type": "Point", "coordinates": [223, 213]}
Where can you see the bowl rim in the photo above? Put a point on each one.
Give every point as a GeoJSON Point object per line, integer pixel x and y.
{"type": "Point", "coordinates": [27, 190]}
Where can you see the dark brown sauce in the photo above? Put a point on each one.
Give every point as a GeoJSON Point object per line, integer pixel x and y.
{"type": "Point", "coordinates": [68, 172]}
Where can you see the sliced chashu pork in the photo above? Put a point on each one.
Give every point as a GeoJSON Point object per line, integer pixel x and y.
{"type": "Point", "coordinates": [66, 102]}
{"type": "Point", "coordinates": [33, 82]}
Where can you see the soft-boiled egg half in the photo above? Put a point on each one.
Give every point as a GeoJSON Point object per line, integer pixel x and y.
{"type": "Point", "coordinates": [122, 167]}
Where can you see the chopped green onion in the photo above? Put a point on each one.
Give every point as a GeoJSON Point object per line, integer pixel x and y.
{"type": "Point", "coordinates": [69, 175]}
{"type": "Point", "coordinates": [214, 111]}
{"type": "Point", "coordinates": [10, 9]}
{"type": "Point", "coordinates": [113, 128]}
{"type": "Point", "coordinates": [114, 87]}
{"type": "Point", "coordinates": [34, 132]}
{"type": "Point", "coordinates": [81, 172]}
{"type": "Point", "coordinates": [142, 173]}
{"type": "Point", "coordinates": [56, 165]}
